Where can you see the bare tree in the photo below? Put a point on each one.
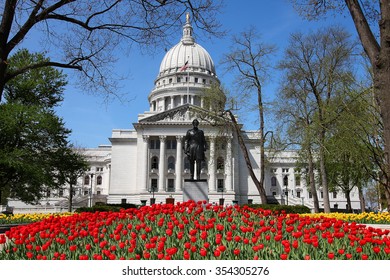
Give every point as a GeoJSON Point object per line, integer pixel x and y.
{"type": "Point", "coordinates": [248, 58]}
{"type": "Point", "coordinates": [368, 16]}
{"type": "Point", "coordinates": [84, 34]}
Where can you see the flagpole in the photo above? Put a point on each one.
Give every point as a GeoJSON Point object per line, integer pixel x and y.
{"type": "Point", "coordinates": [188, 86]}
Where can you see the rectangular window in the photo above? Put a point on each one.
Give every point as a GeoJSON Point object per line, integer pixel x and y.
{"type": "Point", "coordinates": [171, 144]}
{"type": "Point", "coordinates": [334, 194]}
{"type": "Point", "coordinates": [178, 79]}
{"type": "Point", "coordinates": [285, 170]}
{"type": "Point", "coordinates": [220, 185]}
{"type": "Point", "coordinates": [322, 194]}
{"type": "Point", "coordinates": [310, 195]}
{"type": "Point", "coordinates": [298, 194]}
{"type": "Point", "coordinates": [154, 144]}
{"type": "Point", "coordinates": [171, 185]}
{"type": "Point", "coordinates": [153, 185]}
{"type": "Point", "coordinates": [196, 80]}
{"type": "Point", "coordinates": [170, 80]}
{"type": "Point", "coordinates": [204, 81]}
{"type": "Point", "coordinates": [273, 170]}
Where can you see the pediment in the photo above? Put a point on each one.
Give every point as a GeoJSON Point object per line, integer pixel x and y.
{"type": "Point", "coordinates": [181, 114]}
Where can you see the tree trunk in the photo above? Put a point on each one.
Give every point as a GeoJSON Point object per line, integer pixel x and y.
{"type": "Point", "coordinates": [324, 178]}
{"type": "Point", "coordinates": [379, 55]}
{"type": "Point", "coordinates": [381, 86]}
{"type": "Point", "coordinates": [387, 194]}
{"type": "Point", "coordinates": [260, 188]}
{"type": "Point", "coordinates": [362, 200]}
{"type": "Point", "coordinates": [70, 197]}
{"type": "Point", "coordinates": [312, 182]}
{"type": "Point", "coordinates": [348, 197]}
{"type": "Point", "coordinates": [5, 29]}
{"type": "Point", "coordinates": [262, 141]}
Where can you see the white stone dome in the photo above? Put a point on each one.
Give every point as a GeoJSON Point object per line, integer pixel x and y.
{"type": "Point", "coordinates": [187, 50]}
{"type": "Point", "coordinates": [198, 58]}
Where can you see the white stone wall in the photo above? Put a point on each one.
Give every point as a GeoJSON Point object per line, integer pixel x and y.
{"type": "Point", "coordinates": [124, 158]}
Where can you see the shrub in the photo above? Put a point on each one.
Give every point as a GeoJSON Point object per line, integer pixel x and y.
{"type": "Point", "coordinates": [106, 207]}
{"type": "Point", "coordinates": [276, 208]}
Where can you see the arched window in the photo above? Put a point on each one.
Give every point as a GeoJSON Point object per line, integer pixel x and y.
{"type": "Point", "coordinates": [220, 163]}
{"type": "Point", "coordinates": [154, 162]}
{"type": "Point", "coordinates": [171, 162]}
{"type": "Point", "coordinates": [99, 180]}
{"type": "Point", "coordinates": [273, 181]}
{"type": "Point", "coordinates": [86, 180]}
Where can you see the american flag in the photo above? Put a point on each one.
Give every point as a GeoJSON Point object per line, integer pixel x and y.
{"type": "Point", "coordinates": [185, 66]}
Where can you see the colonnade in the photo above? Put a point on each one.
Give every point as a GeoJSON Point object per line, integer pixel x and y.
{"type": "Point", "coordinates": [184, 99]}
{"type": "Point", "coordinates": [179, 166]}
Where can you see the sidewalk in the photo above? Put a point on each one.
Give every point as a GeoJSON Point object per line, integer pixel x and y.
{"type": "Point", "coordinates": [381, 226]}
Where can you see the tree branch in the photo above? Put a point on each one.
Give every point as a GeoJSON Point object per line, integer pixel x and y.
{"type": "Point", "coordinates": [19, 71]}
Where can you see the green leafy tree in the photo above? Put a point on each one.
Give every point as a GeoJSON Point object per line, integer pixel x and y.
{"type": "Point", "coordinates": [294, 107]}
{"type": "Point", "coordinates": [350, 148]}
{"type": "Point", "coordinates": [33, 141]}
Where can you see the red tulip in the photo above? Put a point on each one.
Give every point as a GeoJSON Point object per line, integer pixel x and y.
{"type": "Point", "coordinates": [203, 252]}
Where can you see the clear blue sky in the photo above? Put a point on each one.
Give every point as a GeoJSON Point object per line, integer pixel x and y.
{"type": "Point", "coordinates": [91, 119]}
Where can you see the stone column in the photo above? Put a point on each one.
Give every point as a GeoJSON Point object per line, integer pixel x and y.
{"type": "Point", "coordinates": [161, 165]}
{"type": "Point", "coordinates": [228, 165]}
{"type": "Point", "coordinates": [181, 99]}
{"type": "Point", "coordinates": [162, 103]}
{"type": "Point", "coordinates": [145, 163]}
{"type": "Point", "coordinates": [172, 102]}
{"type": "Point", "coordinates": [202, 102]}
{"type": "Point", "coordinates": [212, 165]}
{"type": "Point", "coordinates": [179, 162]}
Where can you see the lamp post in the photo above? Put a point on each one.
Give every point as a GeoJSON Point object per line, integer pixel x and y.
{"type": "Point", "coordinates": [90, 192]}
{"type": "Point", "coordinates": [222, 200]}
{"type": "Point", "coordinates": [285, 182]}
{"type": "Point", "coordinates": [152, 199]}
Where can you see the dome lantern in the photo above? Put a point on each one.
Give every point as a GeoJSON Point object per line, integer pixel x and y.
{"type": "Point", "coordinates": [187, 32]}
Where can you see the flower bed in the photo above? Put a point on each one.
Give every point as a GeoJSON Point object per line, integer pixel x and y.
{"type": "Point", "coordinates": [28, 218]}
{"type": "Point", "coordinates": [194, 231]}
{"type": "Point", "coordinates": [362, 218]}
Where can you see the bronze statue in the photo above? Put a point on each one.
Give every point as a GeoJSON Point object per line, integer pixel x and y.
{"type": "Point", "coordinates": [194, 147]}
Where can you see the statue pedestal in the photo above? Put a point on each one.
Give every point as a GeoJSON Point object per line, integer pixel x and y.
{"type": "Point", "coordinates": [196, 190]}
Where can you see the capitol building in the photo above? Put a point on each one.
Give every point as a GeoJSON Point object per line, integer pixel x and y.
{"type": "Point", "coordinates": [146, 164]}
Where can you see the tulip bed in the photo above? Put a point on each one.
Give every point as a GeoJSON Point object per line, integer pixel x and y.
{"type": "Point", "coordinates": [362, 218]}
{"type": "Point", "coordinates": [194, 231]}
{"type": "Point", "coordinates": [28, 218]}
